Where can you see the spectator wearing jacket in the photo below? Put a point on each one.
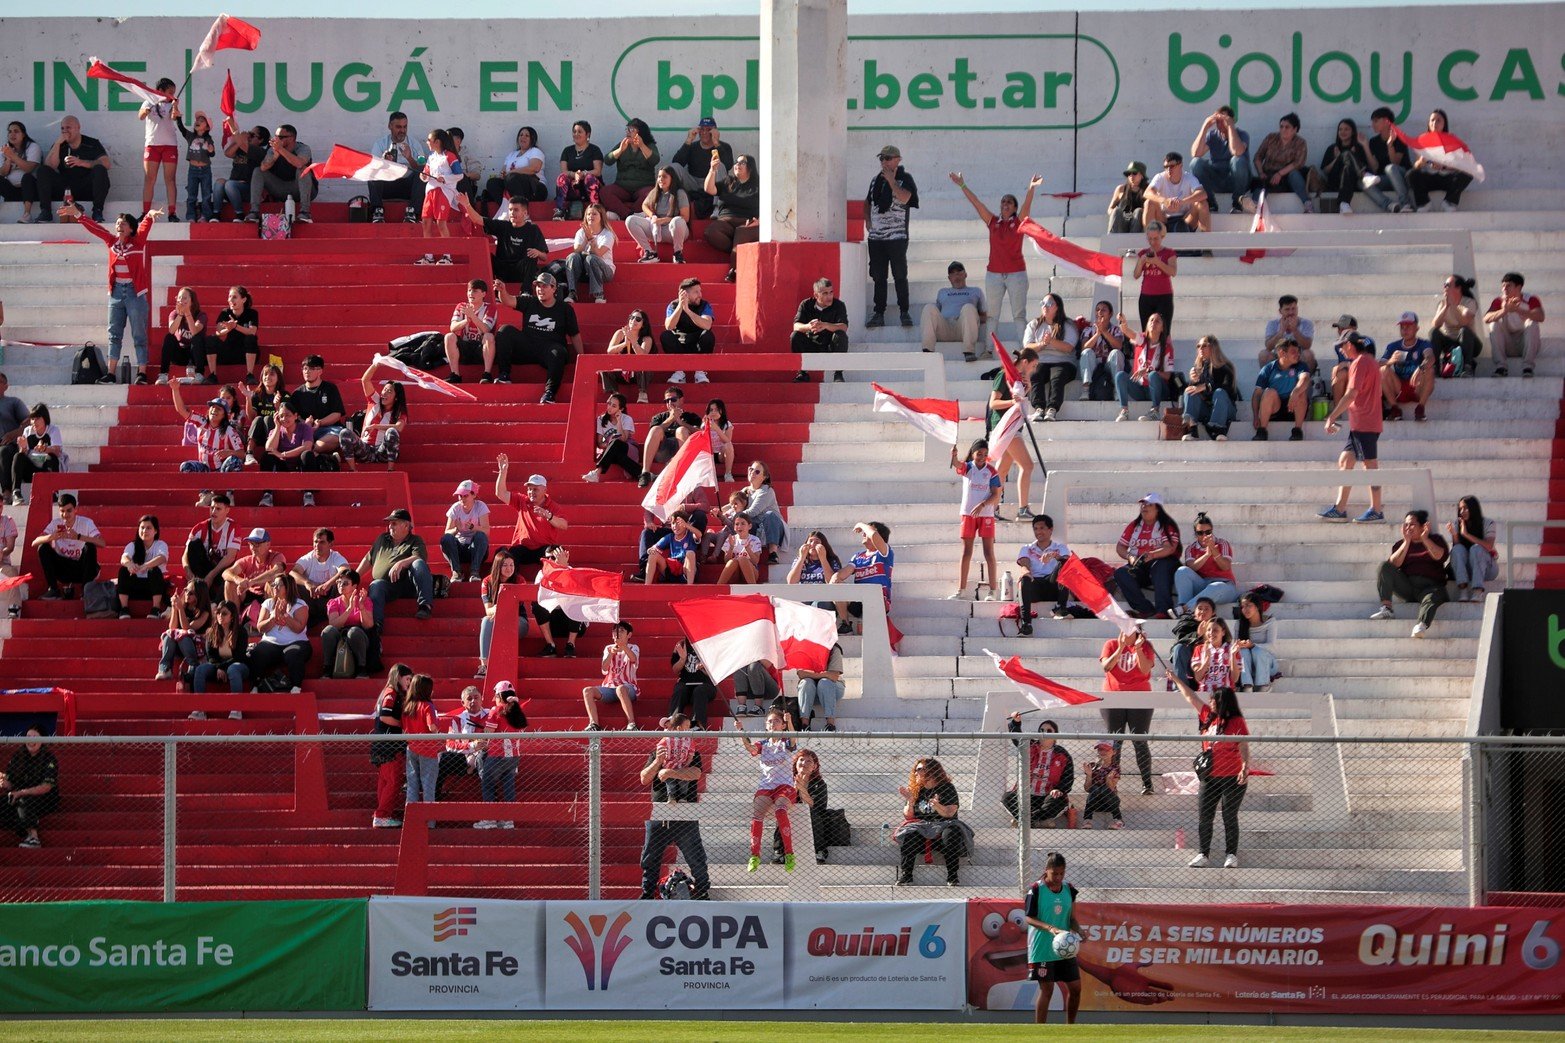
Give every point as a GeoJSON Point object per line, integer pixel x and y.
{"type": "Point", "coordinates": [1051, 774]}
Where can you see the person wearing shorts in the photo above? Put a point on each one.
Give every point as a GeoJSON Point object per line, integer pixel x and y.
{"type": "Point", "coordinates": [470, 340]}
{"type": "Point", "coordinates": [674, 558]}
{"type": "Point", "coordinates": [774, 793]}
{"type": "Point", "coordinates": [620, 660]}
{"type": "Point", "coordinates": [981, 489]}
{"type": "Point", "coordinates": [1051, 911]}
{"type": "Point", "coordinates": [1361, 402]}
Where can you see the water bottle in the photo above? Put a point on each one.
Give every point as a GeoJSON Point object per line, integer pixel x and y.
{"type": "Point", "coordinates": [1008, 587]}
{"type": "Point", "coordinates": [290, 207]}
{"type": "Point", "coordinates": [1179, 839]}
{"type": "Point", "coordinates": [885, 833]}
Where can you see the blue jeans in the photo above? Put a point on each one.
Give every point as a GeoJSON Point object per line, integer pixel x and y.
{"type": "Point", "coordinates": [1216, 414]}
{"type": "Point", "coordinates": [422, 774]}
{"type": "Point", "coordinates": [417, 580]}
{"type": "Point", "coordinates": [1188, 585]}
{"type": "Point", "coordinates": [1397, 178]}
{"type": "Point", "coordinates": [1232, 177]}
{"type": "Point", "coordinates": [125, 305]}
{"type": "Point", "coordinates": [475, 550]}
{"type": "Point", "coordinates": [1295, 182]}
{"type": "Point", "coordinates": [486, 632]}
{"type": "Point", "coordinates": [198, 186]}
{"type": "Point", "coordinates": [233, 463]}
{"type": "Point", "coordinates": [1155, 390]}
{"type": "Point", "coordinates": [822, 690]}
{"type": "Point", "coordinates": [207, 673]}
{"type": "Point", "coordinates": [1473, 566]}
{"type": "Point", "coordinates": [1160, 574]}
{"type": "Point", "coordinates": [178, 648]}
{"type": "Point", "coordinates": [236, 192]}
{"type": "Point", "coordinates": [1257, 666]}
{"type": "Point", "coordinates": [497, 778]}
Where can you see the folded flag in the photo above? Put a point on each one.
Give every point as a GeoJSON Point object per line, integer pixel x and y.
{"type": "Point", "coordinates": [730, 632]}
{"type": "Point", "coordinates": [427, 381]}
{"type": "Point", "coordinates": [1446, 149]}
{"type": "Point", "coordinates": [1039, 690]}
{"type": "Point", "coordinates": [585, 595]}
{"type": "Point", "coordinates": [936, 417]}
{"type": "Point", "coordinates": [227, 102]}
{"type": "Point", "coordinates": [1005, 431]}
{"type": "Point", "coordinates": [99, 71]}
{"type": "Point", "coordinates": [1076, 578]}
{"type": "Point", "coordinates": [1262, 222]}
{"type": "Point", "coordinates": [805, 634]}
{"type": "Point", "coordinates": [227, 33]}
{"type": "Point", "coordinates": [11, 582]}
{"type": "Point", "coordinates": [361, 166]}
{"type": "Point", "coordinates": [1090, 264]}
{"type": "Point", "coordinates": [690, 469]}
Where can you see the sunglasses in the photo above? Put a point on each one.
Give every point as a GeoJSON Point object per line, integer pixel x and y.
{"type": "Point", "coordinates": [1203, 532]}
{"type": "Point", "coordinates": [1170, 166]}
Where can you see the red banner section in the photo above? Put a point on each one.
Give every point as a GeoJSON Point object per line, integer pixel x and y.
{"type": "Point", "coordinates": [1301, 959]}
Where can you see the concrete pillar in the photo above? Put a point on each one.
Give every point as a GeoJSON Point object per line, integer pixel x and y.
{"type": "Point", "coordinates": [804, 130]}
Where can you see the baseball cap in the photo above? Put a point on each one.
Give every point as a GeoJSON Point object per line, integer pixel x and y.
{"type": "Point", "coordinates": [1153, 498]}
{"type": "Point", "coordinates": [258, 536]}
{"type": "Point", "coordinates": [466, 487]}
{"type": "Point", "coordinates": [1104, 744]}
{"type": "Point", "coordinates": [545, 279]}
{"type": "Point", "coordinates": [1408, 316]}
{"type": "Point", "coordinates": [400, 514]}
{"type": "Point", "coordinates": [1360, 341]}
{"type": "Point", "coordinates": [1345, 322]}
{"type": "Point", "coordinates": [955, 266]}
{"type": "Point", "coordinates": [503, 686]}
{"type": "Point", "coordinates": [538, 480]}
{"type": "Point", "coordinates": [218, 402]}
{"type": "Point", "coordinates": [706, 121]}
{"type": "Point", "coordinates": [1135, 166]}
{"type": "Point", "coordinates": [890, 152]}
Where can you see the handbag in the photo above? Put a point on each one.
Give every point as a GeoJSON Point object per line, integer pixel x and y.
{"type": "Point", "coordinates": [344, 665]}
{"type": "Point", "coordinates": [89, 365]}
{"type": "Point", "coordinates": [385, 752]}
{"type": "Point", "coordinates": [837, 830]}
{"type": "Point", "coordinates": [1203, 765]}
{"type": "Point", "coordinates": [100, 599]}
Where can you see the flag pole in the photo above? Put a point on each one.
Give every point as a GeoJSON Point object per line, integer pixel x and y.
{"type": "Point", "coordinates": [1027, 423]}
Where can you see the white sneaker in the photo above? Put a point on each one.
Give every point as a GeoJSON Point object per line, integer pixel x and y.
{"type": "Point", "coordinates": [250, 460]}
{"type": "Point", "coordinates": [1383, 612]}
{"type": "Point", "coordinates": [1086, 393]}
{"type": "Point", "coordinates": [507, 825]}
{"type": "Point", "coordinates": [162, 378]}
{"type": "Point", "coordinates": [590, 476]}
{"type": "Point", "coordinates": [1200, 862]}
{"type": "Point", "coordinates": [309, 498]}
{"type": "Point", "coordinates": [1151, 415]}
{"type": "Point", "coordinates": [677, 377]}
{"type": "Point", "coordinates": [266, 500]}
{"type": "Point", "coordinates": [205, 499]}
{"type": "Point", "coordinates": [1220, 438]}
{"type": "Point", "coordinates": [1124, 414]}
{"type": "Point", "coordinates": [485, 823]}
{"type": "Point", "coordinates": [1231, 862]}
{"type": "Point", "coordinates": [235, 715]}
{"type": "Point", "coordinates": [1342, 208]}
{"type": "Point", "coordinates": [701, 377]}
{"type": "Point", "coordinates": [1190, 438]}
{"type": "Point", "coordinates": [196, 715]}
{"type": "Point", "coordinates": [1036, 416]}
{"type": "Point", "coordinates": [1420, 629]}
{"type": "Point", "coordinates": [956, 595]}
{"type": "Point", "coordinates": [1050, 415]}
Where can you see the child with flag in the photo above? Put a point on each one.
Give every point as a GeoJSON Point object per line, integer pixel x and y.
{"type": "Point", "coordinates": [774, 792]}
{"type": "Point", "coordinates": [980, 495]}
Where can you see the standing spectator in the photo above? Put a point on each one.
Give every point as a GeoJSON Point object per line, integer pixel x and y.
{"type": "Point", "coordinates": [395, 146]}
{"type": "Point", "coordinates": [1103, 346]}
{"type": "Point", "coordinates": [68, 550]}
{"type": "Point", "coordinates": [1407, 372]}
{"type": "Point", "coordinates": [820, 324]}
{"type": "Point", "coordinates": [666, 432]}
{"type": "Point", "coordinates": [637, 158]}
{"type": "Point", "coordinates": [633, 338]}
{"type": "Point", "coordinates": [664, 216]}
{"type": "Point", "coordinates": [130, 283]}
{"type": "Point", "coordinates": [809, 789]}
{"type": "Point", "coordinates": [521, 175]}
{"type": "Point", "coordinates": [189, 617]}
{"type": "Point", "coordinates": [873, 564]}
{"type": "Point", "coordinates": [284, 174]}
{"type": "Point", "coordinates": [418, 717]}
{"type": "Point", "coordinates": [930, 816]}
{"type": "Point", "coordinates": [443, 170]}
{"type": "Point", "coordinates": [581, 171]}
{"type": "Point", "coordinates": [538, 519]}
{"type": "Point", "coordinates": [76, 164]}
{"type": "Point", "coordinates": [774, 792]}
{"type": "Point", "coordinates": [703, 151]}
{"type": "Point", "coordinates": [471, 337]}
{"type": "Point", "coordinates": [519, 244]}
{"type": "Point", "coordinates": [1283, 158]}
{"type": "Point", "coordinates": [1514, 322]}
{"type": "Point", "coordinates": [317, 572]}
{"type": "Point", "coordinates": [1050, 775]}
{"type": "Point", "coordinates": [1215, 661]}
{"type": "Point", "coordinates": [1288, 327]}
{"type": "Point", "coordinates": [162, 147]}
{"type": "Point", "coordinates": [470, 169]}
{"type": "Point", "coordinates": [227, 655]}
{"type": "Point", "coordinates": [673, 771]}
{"type": "Point", "coordinates": [398, 562]}
{"type": "Point", "coordinates": [1151, 368]}
{"type": "Point", "coordinates": [215, 438]}
{"type": "Point", "coordinates": [390, 758]}
{"type": "Point", "coordinates": [20, 158]}
{"type": "Point", "coordinates": [1227, 779]}
{"type": "Point", "coordinates": [39, 446]}
{"type": "Point", "coordinates": [1176, 198]}
{"type": "Point", "coordinates": [1126, 661]}
{"type": "Point", "coordinates": [141, 574]}
{"type": "Point", "coordinates": [620, 662]}
{"type": "Point", "coordinates": [1220, 157]}
{"type": "Point", "coordinates": [1388, 157]}
{"type": "Point", "coordinates": [1102, 787]}
{"type": "Point", "coordinates": [247, 579]}
{"type": "Point", "coordinates": [497, 775]}
{"type": "Point", "coordinates": [687, 328]}
{"type": "Point", "coordinates": [200, 150]}
{"type": "Point", "coordinates": [549, 336]}
{"type": "Point", "coordinates": [1282, 392]}
{"type": "Point", "coordinates": [466, 539]}
{"type": "Point", "coordinates": [693, 686]}
{"type": "Point", "coordinates": [238, 333]}
{"type": "Point", "coordinates": [888, 204]}
{"type": "Point", "coordinates": [1208, 571]}
{"type": "Point", "coordinates": [1002, 397]}
{"type": "Point", "coordinates": [615, 440]}
{"type": "Point", "coordinates": [980, 496]}
{"type": "Point", "coordinates": [1042, 559]}
{"type": "Point", "coordinates": [1415, 571]}
{"type": "Point", "coordinates": [823, 687]}
{"type": "Point", "coordinates": [1454, 331]}
{"type": "Point", "coordinates": [736, 209]}
{"type": "Point", "coordinates": [185, 342]}
{"type": "Point", "coordinates": [501, 572]}
{"type": "Point", "coordinates": [1156, 267]}
{"type": "Point", "coordinates": [1473, 550]}
{"type": "Point", "coordinates": [1007, 270]}
{"type": "Point", "coordinates": [957, 313]}
{"type": "Point", "coordinates": [285, 637]}
{"type": "Point", "coordinates": [1210, 395]}
{"type": "Point", "coordinates": [247, 148]}
{"type": "Point", "coordinates": [1345, 164]}
{"type": "Point", "coordinates": [1257, 662]}
{"type": "Point", "coordinates": [1052, 337]}
{"type": "Point", "coordinates": [14, 420]}
{"type": "Point", "coordinates": [592, 255]}
{"type": "Point", "coordinates": [350, 620]}
{"type": "Point", "coordinates": [1150, 546]}
{"type": "Point", "coordinates": [212, 546]}
{"type": "Point", "coordinates": [1127, 202]}
{"type": "Point", "coordinates": [29, 788]}
{"type": "Point", "coordinates": [1427, 174]}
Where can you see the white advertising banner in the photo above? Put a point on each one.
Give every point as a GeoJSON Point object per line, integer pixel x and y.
{"type": "Point", "coordinates": [877, 955]}
{"type": "Point", "coordinates": [455, 954]}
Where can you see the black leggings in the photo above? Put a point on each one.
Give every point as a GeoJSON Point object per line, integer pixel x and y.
{"type": "Point", "coordinates": [618, 453]}
{"type": "Point", "coordinates": [148, 587]}
{"type": "Point", "coordinates": [1227, 790]}
{"type": "Point", "coordinates": [1048, 384]}
{"type": "Point", "coordinates": [1044, 807]}
{"type": "Point", "coordinates": [267, 657]}
{"type": "Point", "coordinates": [192, 354]}
{"type": "Point", "coordinates": [1150, 304]}
{"type": "Point", "coordinates": [1136, 722]}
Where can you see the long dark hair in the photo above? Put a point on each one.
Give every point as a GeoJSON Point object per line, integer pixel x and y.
{"type": "Point", "coordinates": [495, 581]}
{"type": "Point", "coordinates": [831, 555]}
{"type": "Point", "coordinates": [1474, 515]}
{"type": "Point", "coordinates": [1060, 318]}
{"type": "Point", "coordinates": [513, 712]}
{"type": "Point", "coordinates": [399, 401]}
{"type": "Point", "coordinates": [249, 300]}
{"type": "Point", "coordinates": [27, 139]}
{"type": "Point", "coordinates": [421, 690]}
{"type": "Point", "coordinates": [394, 678]}
{"type": "Point", "coordinates": [623, 404]}
{"type": "Point", "coordinates": [233, 637]}
{"type": "Point", "coordinates": [1225, 705]}
{"type": "Point", "coordinates": [1166, 521]}
{"type": "Point", "coordinates": [673, 186]}
{"type": "Point", "coordinates": [642, 129]}
{"type": "Point", "coordinates": [139, 554]}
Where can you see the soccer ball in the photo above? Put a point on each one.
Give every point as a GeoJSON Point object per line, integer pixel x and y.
{"type": "Point", "coordinates": [1067, 945]}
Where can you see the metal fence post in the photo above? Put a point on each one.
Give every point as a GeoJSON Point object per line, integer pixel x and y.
{"type": "Point", "coordinates": [1023, 812]}
{"type": "Point", "coordinates": [1475, 766]}
{"type": "Point", "coordinates": [170, 818]}
{"type": "Point", "coordinates": [594, 816]}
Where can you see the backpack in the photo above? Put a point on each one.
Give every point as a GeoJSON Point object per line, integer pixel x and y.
{"type": "Point", "coordinates": [1265, 593]}
{"type": "Point", "coordinates": [1102, 387]}
{"type": "Point", "coordinates": [343, 666]}
{"type": "Point", "coordinates": [276, 226]}
{"type": "Point", "coordinates": [677, 886]}
{"type": "Point", "coordinates": [424, 350]}
{"type": "Point", "coordinates": [89, 365]}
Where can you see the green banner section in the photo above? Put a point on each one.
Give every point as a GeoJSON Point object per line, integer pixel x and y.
{"type": "Point", "coordinates": [191, 956]}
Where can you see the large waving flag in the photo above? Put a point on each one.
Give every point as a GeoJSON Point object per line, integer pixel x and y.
{"type": "Point", "coordinates": [689, 470]}
{"type": "Point", "coordinates": [936, 417]}
{"type": "Point", "coordinates": [99, 71]}
{"type": "Point", "coordinates": [1090, 264]}
{"type": "Point", "coordinates": [1448, 150]}
{"type": "Point", "coordinates": [1079, 580]}
{"type": "Point", "coordinates": [227, 33]}
{"type": "Point", "coordinates": [361, 166]}
{"type": "Point", "coordinates": [585, 595]}
{"type": "Point", "coordinates": [1039, 690]}
{"type": "Point", "coordinates": [1262, 222]}
{"type": "Point", "coordinates": [1005, 431]}
{"type": "Point", "coordinates": [427, 381]}
{"type": "Point", "coordinates": [805, 634]}
{"type": "Point", "coordinates": [730, 632]}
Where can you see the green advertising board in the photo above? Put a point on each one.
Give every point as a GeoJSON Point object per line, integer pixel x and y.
{"type": "Point", "coordinates": [190, 956]}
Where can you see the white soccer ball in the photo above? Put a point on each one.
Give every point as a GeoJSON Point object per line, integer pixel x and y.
{"type": "Point", "coordinates": [1067, 945]}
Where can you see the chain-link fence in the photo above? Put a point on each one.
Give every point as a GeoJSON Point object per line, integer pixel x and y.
{"type": "Point", "coordinates": [571, 815]}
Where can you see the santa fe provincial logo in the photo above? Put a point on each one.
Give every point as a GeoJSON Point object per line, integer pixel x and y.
{"type": "Point", "coordinates": [454, 922]}
{"type": "Point", "coordinates": [597, 964]}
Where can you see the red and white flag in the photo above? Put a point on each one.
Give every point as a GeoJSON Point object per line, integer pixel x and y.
{"type": "Point", "coordinates": [936, 417]}
{"type": "Point", "coordinates": [1012, 376]}
{"type": "Point", "coordinates": [427, 381]}
{"type": "Point", "coordinates": [1005, 431]}
{"type": "Point", "coordinates": [11, 582]}
{"type": "Point", "coordinates": [1262, 222]}
{"type": "Point", "coordinates": [730, 632]}
{"type": "Point", "coordinates": [361, 166]}
{"type": "Point", "coordinates": [99, 71]}
{"type": "Point", "coordinates": [690, 469]}
{"type": "Point", "coordinates": [805, 634]}
{"type": "Point", "coordinates": [227, 102]}
{"type": "Point", "coordinates": [585, 595]}
{"type": "Point", "coordinates": [227, 33]}
{"type": "Point", "coordinates": [1090, 264]}
{"type": "Point", "coordinates": [1079, 580]}
{"type": "Point", "coordinates": [1448, 150]}
{"type": "Point", "coordinates": [1039, 690]}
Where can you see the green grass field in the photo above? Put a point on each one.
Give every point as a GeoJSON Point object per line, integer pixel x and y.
{"type": "Point", "coordinates": [396, 1030]}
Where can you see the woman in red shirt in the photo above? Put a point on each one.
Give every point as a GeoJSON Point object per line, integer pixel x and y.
{"type": "Point", "coordinates": [419, 718]}
{"type": "Point", "coordinates": [1127, 667]}
{"type": "Point", "coordinates": [130, 281]}
{"type": "Point", "coordinates": [1156, 267]}
{"type": "Point", "coordinates": [1229, 776]}
{"type": "Point", "coordinates": [1007, 271]}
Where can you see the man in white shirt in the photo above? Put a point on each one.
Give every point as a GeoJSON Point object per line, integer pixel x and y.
{"type": "Point", "coordinates": [317, 574]}
{"type": "Point", "coordinates": [68, 550]}
{"type": "Point", "coordinates": [1042, 559]}
{"type": "Point", "coordinates": [1177, 199]}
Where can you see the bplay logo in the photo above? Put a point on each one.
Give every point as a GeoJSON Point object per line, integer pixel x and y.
{"type": "Point", "coordinates": [454, 922]}
{"type": "Point", "coordinates": [598, 944]}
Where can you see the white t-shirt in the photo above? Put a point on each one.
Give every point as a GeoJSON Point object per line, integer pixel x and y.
{"type": "Point", "coordinates": [1037, 566]}
{"type": "Point", "coordinates": [71, 548]}
{"type": "Point", "coordinates": [317, 571]}
{"type": "Point", "coordinates": [977, 483]}
{"type": "Point", "coordinates": [159, 124]}
{"type": "Point", "coordinates": [32, 154]}
{"type": "Point", "coordinates": [519, 159]}
{"type": "Point", "coordinates": [738, 545]}
{"type": "Point", "coordinates": [284, 634]}
{"type": "Point", "coordinates": [156, 549]}
{"type": "Point", "coordinates": [604, 239]}
{"type": "Point", "coordinates": [1163, 185]}
{"type": "Point", "coordinates": [467, 521]}
{"type": "Point", "coordinates": [8, 533]}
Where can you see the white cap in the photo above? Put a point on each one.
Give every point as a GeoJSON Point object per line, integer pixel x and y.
{"type": "Point", "coordinates": [1408, 316]}
{"type": "Point", "coordinates": [503, 686]}
{"type": "Point", "coordinates": [1153, 498]}
{"type": "Point", "coordinates": [538, 480]}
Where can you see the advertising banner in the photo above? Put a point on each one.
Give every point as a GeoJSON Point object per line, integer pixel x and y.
{"type": "Point", "coordinates": [1304, 959]}
{"type": "Point", "coordinates": [455, 954]}
{"type": "Point", "coordinates": [150, 956]}
{"type": "Point", "coordinates": [877, 955]}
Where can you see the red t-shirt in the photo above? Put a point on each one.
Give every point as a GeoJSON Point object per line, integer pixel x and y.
{"type": "Point", "coordinates": [532, 528]}
{"type": "Point", "coordinates": [1155, 280]}
{"type": "Point", "coordinates": [1196, 552]}
{"type": "Point", "coordinates": [1144, 537]}
{"type": "Point", "coordinates": [1005, 246]}
{"type": "Point", "coordinates": [1364, 381]}
{"type": "Point", "coordinates": [421, 720]}
{"type": "Point", "coordinates": [1126, 675]}
{"type": "Point", "coordinates": [1225, 755]}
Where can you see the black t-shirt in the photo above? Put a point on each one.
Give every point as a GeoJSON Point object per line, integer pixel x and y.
{"type": "Point", "coordinates": [1378, 149]}
{"type": "Point", "coordinates": [698, 160]}
{"type": "Point", "coordinates": [314, 403]}
{"type": "Point", "coordinates": [835, 313]}
{"type": "Point", "coordinates": [511, 242]}
{"type": "Point", "coordinates": [245, 162]}
{"type": "Point", "coordinates": [582, 160]}
{"type": "Point", "coordinates": [737, 199]}
{"type": "Point", "coordinates": [678, 789]}
{"type": "Point", "coordinates": [817, 788]}
{"type": "Point", "coordinates": [549, 327]}
{"type": "Point", "coordinates": [26, 771]}
{"type": "Point", "coordinates": [945, 793]}
{"type": "Point", "coordinates": [235, 339]}
{"type": "Point", "coordinates": [90, 150]}
{"type": "Point", "coordinates": [669, 420]}
{"type": "Point", "coordinates": [693, 670]}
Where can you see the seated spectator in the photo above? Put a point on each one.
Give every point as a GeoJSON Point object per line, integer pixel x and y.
{"type": "Point", "coordinates": [1102, 786]}
{"type": "Point", "coordinates": [1214, 662]}
{"type": "Point", "coordinates": [20, 158]}
{"type": "Point", "coordinates": [633, 338]}
{"type": "Point", "coordinates": [284, 173]}
{"type": "Point", "coordinates": [77, 164]}
{"type": "Point", "coordinates": [1427, 175]}
{"type": "Point", "coordinates": [1220, 157]}
{"type": "Point", "coordinates": [741, 554]}
{"type": "Point", "coordinates": [13, 421]}
{"type": "Point", "coordinates": [1347, 329]}
{"type": "Point", "coordinates": [809, 789]}
{"type": "Point", "coordinates": [214, 436]}
{"type": "Point", "coordinates": [284, 629]}
{"type": "Point", "coordinates": [39, 447]}
{"type": "Point", "coordinates": [714, 539]}
{"type": "Point", "coordinates": [212, 546]}
{"type": "Point", "coordinates": [592, 255]}
{"type": "Point", "coordinates": [1051, 774]}
{"type": "Point", "coordinates": [1289, 326]}
{"type": "Point", "coordinates": [260, 411]}
{"type": "Point", "coordinates": [822, 687]}
{"type": "Point", "coordinates": [247, 148]}
{"type": "Point", "coordinates": [666, 432]}
{"type": "Point", "coordinates": [471, 168]}
{"type": "Point", "coordinates": [1283, 159]}
{"type": "Point", "coordinates": [1125, 205]}
{"type": "Point", "coordinates": [554, 626]}
{"type": "Point", "coordinates": [29, 788]}
{"type": "Point", "coordinates": [1189, 633]}
{"type": "Point", "coordinates": [1156, 267]}
{"type": "Point", "coordinates": [673, 558]}
{"type": "Point", "coordinates": [1257, 663]}
{"type": "Point", "coordinates": [721, 430]}
{"type": "Point", "coordinates": [549, 336]}
{"type": "Point", "coordinates": [1150, 546]}
{"type": "Point", "coordinates": [1454, 331]}
{"type": "Point", "coordinates": [319, 404]}
{"type": "Point", "coordinates": [687, 328]}
{"type": "Point", "coordinates": [316, 573]}
{"type": "Point", "coordinates": [755, 687]}
{"type": "Point", "coordinates": [1007, 270]}
{"type": "Point", "coordinates": [1415, 571]}
{"type": "Point", "coordinates": [68, 550]}
{"type": "Point", "coordinates": [497, 777]}
{"type": "Point", "coordinates": [1388, 158]}
{"type": "Point", "coordinates": [1210, 395]}
{"type": "Point", "coordinates": [1103, 346]}
{"type": "Point", "coordinates": [620, 661]}
{"type": "Point", "coordinates": [956, 315]}
{"type": "Point", "coordinates": [238, 333]}
{"type": "Point", "coordinates": [1126, 662]}
{"type": "Point", "coordinates": [693, 687]}
{"type": "Point", "coordinates": [615, 441]}
{"type": "Point", "coordinates": [463, 756]}
{"type": "Point", "coordinates": [764, 513]}
{"type": "Point", "coordinates": [466, 539]}
{"type": "Point", "coordinates": [703, 152]}
{"type": "Point", "coordinates": [141, 575]}
{"type": "Point", "coordinates": [519, 244]}
{"type": "Point", "coordinates": [184, 639]}
{"type": "Point", "coordinates": [664, 216]}
{"type": "Point", "coordinates": [521, 175]}
{"type": "Point", "coordinates": [395, 146]}
{"type": "Point", "coordinates": [1175, 198]}
{"type": "Point", "coordinates": [1282, 392]}
{"type": "Point", "coordinates": [1002, 396]}
{"type": "Point", "coordinates": [398, 563]}
{"type": "Point", "coordinates": [418, 717]}
{"type": "Point", "coordinates": [816, 562]}
{"type": "Point", "coordinates": [501, 572]}
{"type": "Point", "coordinates": [1514, 322]}
{"type": "Point", "coordinates": [1053, 337]}
{"type": "Point", "coordinates": [1151, 368]}
{"type": "Point", "coordinates": [930, 819]}
{"type": "Point", "coordinates": [471, 338]}
{"type": "Point", "coordinates": [1208, 571]}
{"type": "Point", "coordinates": [350, 620]}
{"type": "Point", "coordinates": [820, 324]}
{"type": "Point", "coordinates": [1041, 559]}
{"type": "Point", "coordinates": [185, 344]}
{"type": "Point", "coordinates": [1473, 552]}
{"type": "Point", "coordinates": [581, 171]}
{"type": "Point", "coordinates": [1345, 164]}
{"type": "Point", "coordinates": [290, 448]}
{"type": "Point", "coordinates": [736, 208]}
{"type": "Point", "coordinates": [637, 157]}
{"type": "Point", "coordinates": [227, 644]}
{"type": "Point", "coordinates": [374, 435]}
{"type": "Point", "coordinates": [1407, 370]}
{"type": "Point", "coordinates": [538, 519]}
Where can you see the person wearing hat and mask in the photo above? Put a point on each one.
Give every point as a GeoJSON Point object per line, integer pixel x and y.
{"type": "Point", "coordinates": [538, 519]}
{"type": "Point", "coordinates": [245, 580]}
{"type": "Point", "coordinates": [704, 150]}
{"type": "Point", "coordinates": [1220, 158]}
{"type": "Point", "coordinates": [1125, 205]}
{"type": "Point", "coordinates": [1346, 325]}
{"type": "Point", "coordinates": [466, 539]}
{"type": "Point", "coordinates": [549, 335]}
{"type": "Point", "coordinates": [888, 204]}
{"type": "Point", "coordinates": [398, 565]}
{"type": "Point", "coordinates": [1407, 370]}
{"type": "Point", "coordinates": [1361, 402]}
{"type": "Point", "coordinates": [1103, 786]}
{"type": "Point", "coordinates": [958, 312]}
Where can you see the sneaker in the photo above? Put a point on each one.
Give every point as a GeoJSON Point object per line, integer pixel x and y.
{"type": "Point", "coordinates": [1383, 612]}
{"type": "Point", "coordinates": [1086, 394]}
{"type": "Point", "coordinates": [424, 611]}
{"type": "Point", "coordinates": [561, 215]}
{"type": "Point", "coordinates": [486, 379]}
{"type": "Point", "coordinates": [124, 614]}
{"type": "Point", "coordinates": [632, 727]}
{"type": "Point", "coordinates": [1200, 862]}
{"type": "Point", "coordinates": [378, 216]}
{"type": "Point", "coordinates": [876, 321]}
{"type": "Point", "coordinates": [1501, 371]}
{"type": "Point", "coordinates": [266, 499]}
{"type": "Point", "coordinates": [679, 257]}
{"type": "Point", "coordinates": [1231, 862]}
{"type": "Point", "coordinates": [645, 480]}
{"type": "Point", "coordinates": [426, 259]}
{"type": "Point", "coordinates": [1332, 513]}
{"type": "Point", "coordinates": [1220, 438]}
{"type": "Point", "coordinates": [903, 881]}
{"type": "Point", "coordinates": [1150, 414]}
{"type": "Point", "coordinates": [235, 715]}
{"type": "Point", "coordinates": [308, 500]}
{"type": "Point", "coordinates": [1395, 413]}
{"type": "Point", "coordinates": [1190, 437]}
{"type": "Point", "coordinates": [1370, 515]}
{"type": "Point", "coordinates": [486, 823]}
{"type": "Point", "coordinates": [600, 299]}
{"type": "Point", "coordinates": [31, 842]}
{"type": "Point", "coordinates": [1247, 204]}
{"type": "Point", "coordinates": [1146, 789]}
{"type": "Point", "coordinates": [205, 499]}
{"type": "Point", "coordinates": [1024, 513]}
{"type": "Point", "coordinates": [955, 595]}
{"type": "Point", "coordinates": [1118, 823]}
{"type": "Point", "coordinates": [788, 862]}
{"type": "Point", "coordinates": [1476, 594]}
{"type": "Point", "coordinates": [801, 377]}
{"type": "Point", "coordinates": [1419, 414]}
{"type": "Point", "coordinates": [702, 378]}
{"type": "Point", "coordinates": [820, 858]}
{"type": "Point", "coordinates": [1344, 208]}
{"type": "Point", "coordinates": [546, 399]}
{"type": "Point", "coordinates": [1526, 372]}
{"type": "Point", "coordinates": [844, 626]}
{"type": "Point", "coordinates": [677, 377]}
{"type": "Point", "coordinates": [648, 257]}
{"type": "Point", "coordinates": [196, 715]}
{"type": "Point", "coordinates": [162, 379]}
{"type": "Point", "coordinates": [591, 476]}
{"type": "Point", "coordinates": [1296, 435]}
{"type": "Point", "coordinates": [732, 275]}
{"type": "Point", "coordinates": [409, 216]}
{"type": "Point", "coordinates": [1261, 435]}
{"type": "Point", "coordinates": [305, 219]}
{"type": "Point", "coordinates": [1124, 414]}
{"type": "Point", "coordinates": [1420, 629]}
{"type": "Point", "coordinates": [641, 397]}
{"type": "Point", "coordinates": [570, 651]}
{"type": "Point", "coordinates": [1060, 613]}
{"type": "Point", "coordinates": [838, 378]}
{"type": "Point", "coordinates": [593, 728]}
{"type": "Point", "coordinates": [752, 865]}
{"type": "Point", "coordinates": [444, 259]}
{"type": "Point", "coordinates": [907, 320]}
{"type": "Point", "coordinates": [1024, 629]}
{"type": "Point", "coordinates": [385, 823]}
{"type": "Point", "coordinates": [505, 824]}
{"type": "Point", "coordinates": [1049, 415]}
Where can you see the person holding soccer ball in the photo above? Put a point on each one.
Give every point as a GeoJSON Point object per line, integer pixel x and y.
{"type": "Point", "coordinates": [1053, 939]}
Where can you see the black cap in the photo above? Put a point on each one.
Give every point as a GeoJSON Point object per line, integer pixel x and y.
{"type": "Point", "coordinates": [400, 514]}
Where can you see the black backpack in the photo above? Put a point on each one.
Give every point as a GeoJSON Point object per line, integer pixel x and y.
{"type": "Point", "coordinates": [678, 886]}
{"type": "Point", "coordinates": [1102, 386]}
{"type": "Point", "coordinates": [423, 350]}
{"type": "Point", "coordinates": [89, 365]}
